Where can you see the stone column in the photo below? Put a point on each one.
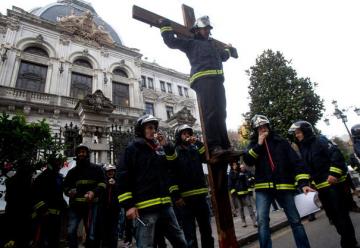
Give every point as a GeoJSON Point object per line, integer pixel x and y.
{"type": "Point", "coordinates": [94, 112]}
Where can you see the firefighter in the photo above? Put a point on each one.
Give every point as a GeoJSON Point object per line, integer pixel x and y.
{"type": "Point", "coordinates": [49, 204]}
{"type": "Point", "coordinates": [144, 184]}
{"type": "Point", "coordinates": [328, 170]}
{"type": "Point", "coordinates": [206, 78]}
{"type": "Point", "coordinates": [355, 133]}
{"type": "Point", "coordinates": [85, 186]}
{"type": "Point", "coordinates": [110, 209]}
{"type": "Point", "coordinates": [277, 166]}
{"type": "Point", "coordinates": [240, 187]}
{"type": "Point", "coordinates": [192, 187]}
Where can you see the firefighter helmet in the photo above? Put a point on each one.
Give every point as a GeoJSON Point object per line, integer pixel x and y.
{"type": "Point", "coordinates": [82, 145]}
{"type": "Point", "coordinates": [305, 127]}
{"type": "Point", "coordinates": [259, 120]}
{"type": "Point", "coordinates": [201, 22]}
{"type": "Point", "coordinates": [180, 129]}
{"type": "Point", "coordinates": [139, 126]}
{"type": "Point", "coordinates": [355, 131]}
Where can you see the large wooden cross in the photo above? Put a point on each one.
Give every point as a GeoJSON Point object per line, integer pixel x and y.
{"type": "Point", "coordinates": [217, 172]}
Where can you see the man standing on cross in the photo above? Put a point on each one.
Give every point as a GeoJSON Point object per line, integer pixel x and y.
{"type": "Point", "coordinates": [206, 78]}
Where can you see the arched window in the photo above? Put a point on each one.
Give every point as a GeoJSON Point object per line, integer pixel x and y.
{"type": "Point", "coordinates": [120, 72]}
{"type": "Point", "coordinates": [83, 63]}
{"type": "Point", "coordinates": [120, 94]}
{"type": "Point", "coordinates": [36, 50]}
{"type": "Point", "coordinates": [81, 85]}
{"type": "Point", "coordinates": [31, 75]}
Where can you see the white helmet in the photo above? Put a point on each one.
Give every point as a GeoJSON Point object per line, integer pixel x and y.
{"type": "Point", "coordinates": [259, 120]}
{"type": "Point", "coordinates": [201, 22]}
{"type": "Point", "coordinates": [108, 167]}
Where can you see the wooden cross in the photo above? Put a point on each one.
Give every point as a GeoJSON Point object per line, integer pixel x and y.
{"type": "Point", "coordinates": [217, 172]}
{"type": "Point", "coordinates": [180, 30]}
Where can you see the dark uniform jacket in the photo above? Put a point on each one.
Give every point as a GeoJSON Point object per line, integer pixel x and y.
{"type": "Point", "coordinates": [239, 182]}
{"type": "Point", "coordinates": [288, 165]}
{"type": "Point", "coordinates": [323, 159]}
{"type": "Point", "coordinates": [48, 194]}
{"type": "Point", "coordinates": [85, 178]}
{"type": "Point", "coordinates": [205, 59]}
{"type": "Point", "coordinates": [144, 175]}
{"type": "Point", "coordinates": [188, 171]}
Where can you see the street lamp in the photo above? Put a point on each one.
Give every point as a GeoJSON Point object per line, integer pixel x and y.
{"type": "Point", "coordinates": [339, 114]}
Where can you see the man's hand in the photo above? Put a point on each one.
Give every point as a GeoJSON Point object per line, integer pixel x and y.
{"type": "Point", "coordinates": [307, 189]}
{"type": "Point", "coordinates": [180, 202]}
{"type": "Point", "coordinates": [132, 213]}
{"type": "Point", "coordinates": [332, 179]}
{"type": "Point", "coordinates": [164, 22]}
{"type": "Point", "coordinates": [262, 137]}
{"type": "Point", "coordinates": [89, 196]}
{"type": "Point", "coordinates": [192, 139]}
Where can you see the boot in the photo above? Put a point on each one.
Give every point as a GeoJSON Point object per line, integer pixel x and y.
{"type": "Point", "coordinates": [219, 154]}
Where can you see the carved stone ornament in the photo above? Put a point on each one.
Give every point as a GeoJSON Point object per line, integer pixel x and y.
{"type": "Point", "coordinates": [85, 27]}
{"type": "Point", "coordinates": [40, 38]}
{"type": "Point", "coordinates": [13, 23]}
{"type": "Point", "coordinates": [184, 116]}
{"type": "Point", "coordinates": [97, 102]}
{"type": "Point", "coordinates": [104, 52]}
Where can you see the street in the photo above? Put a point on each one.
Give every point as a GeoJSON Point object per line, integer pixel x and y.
{"type": "Point", "coordinates": [320, 233]}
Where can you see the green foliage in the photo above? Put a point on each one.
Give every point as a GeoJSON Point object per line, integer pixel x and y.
{"type": "Point", "coordinates": [277, 92]}
{"type": "Point", "coordinates": [25, 144]}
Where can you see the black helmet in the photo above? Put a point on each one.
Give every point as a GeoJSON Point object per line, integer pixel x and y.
{"type": "Point", "coordinates": [355, 131]}
{"type": "Point", "coordinates": [179, 130]}
{"type": "Point", "coordinates": [259, 120]}
{"type": "Point", "coordinates": [139, 126]}
{"type": "Point", "coordinates": [304, 126]}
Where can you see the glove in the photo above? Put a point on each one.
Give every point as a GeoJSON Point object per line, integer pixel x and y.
{"type": "Point", "coordinates": [233, 52]}
{"type": "Point", "coordinates": [164, 23]}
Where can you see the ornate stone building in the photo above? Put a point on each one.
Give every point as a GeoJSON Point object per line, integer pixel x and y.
{"type": "Point", "coordinates": [53, 56]}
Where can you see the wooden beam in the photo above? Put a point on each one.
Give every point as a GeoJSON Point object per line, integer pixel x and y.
{"type": "Point", "coordinates": [188, 15]}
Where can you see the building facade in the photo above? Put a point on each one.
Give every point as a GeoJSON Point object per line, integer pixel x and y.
{"type": "Point", "coordinates": [51, 57]}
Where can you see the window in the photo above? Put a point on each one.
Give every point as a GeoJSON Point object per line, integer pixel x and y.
{"type": "Point", "coordinates": [150, 83]}
{"type": "Point", "coordinates": [143, 82]}
{"type": "Point", "coordinates": [31, 76]}
{"type": "Point", "coordinates": [83, 63]}
{"type": "Point", "coordinates": [36, 50]}
{"type": "Point", "coordinates": [169, 87]}
{"type": "Point", "coordinates": [81, 85]}
{"type": "Point", "coordinates": [186, 91]}
{"type": "Point", "coordinates": [120, 94]}
{"type": "Point", "coordinates": [149, 108]}
{"type": "Point", "coordinates": [120, 72]}
{"type": "Point", "coordinates": [169, 111]}
{"type": "Point", "coordinates": [162, 86]}
{"type": "Point", "coordinates": [180, 91]}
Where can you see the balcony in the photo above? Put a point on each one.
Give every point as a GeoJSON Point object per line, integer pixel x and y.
{"type": "Point", "coordinates": [46, 100]}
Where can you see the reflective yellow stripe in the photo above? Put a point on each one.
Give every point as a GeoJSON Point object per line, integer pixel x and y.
{"type": "Point", "coordinates": [85, 182]}
{"type": "Point", "coordinates": [201, 150]}
{"type": "Point", "coordinates": [264, 185]}
{"type": "Point", "coordinates": [125, 196]}
{"type": "Point", "coordinates": [322, 185]}
{"type": "Point", "coordinates": [250, 189]}
{"type": "Point", "coordinates": [232, 191]}
{"type": "Point", "coordinates": [102, 185]}
{"type": "Point", "coordinates": [342, 179]}
{"type": "Point", "coordinates": [195, 192]}
{"type": "Point", "coordinates": [336, 170]}
{"type": "Point", "coordinates": [285, 186]}
{"type": "Point", "coordinates": [39, 205]}
{"type": "Point", "coordinates": [228, 51]}
{"type": "Point", "coordinates": [153, 202]}
{"type": "Point", "coordinates": [302, 176]}
{"type": "Point", "coordinates": [83, 199]}
{"type": "Point", "coordinates": [33, 215]}
{"type": "Point", "coordinates": [253, 154]}
{"type": "Point", "coordinates": [173, 188]}
{"type": "Point", "coordinates": [205, 73]}
{"type": "Point", "coordinates": [165, 29]}
{"type": "Point", "coordinates": [54, 211]}
{"type": "Point", "coordinates": [242, 192]}
{"type": "Point", "coordinates": [171, 157]}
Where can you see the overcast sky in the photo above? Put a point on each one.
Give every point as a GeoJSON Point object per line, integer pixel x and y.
{"type": "Point", "coordinates": [320, 37]}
